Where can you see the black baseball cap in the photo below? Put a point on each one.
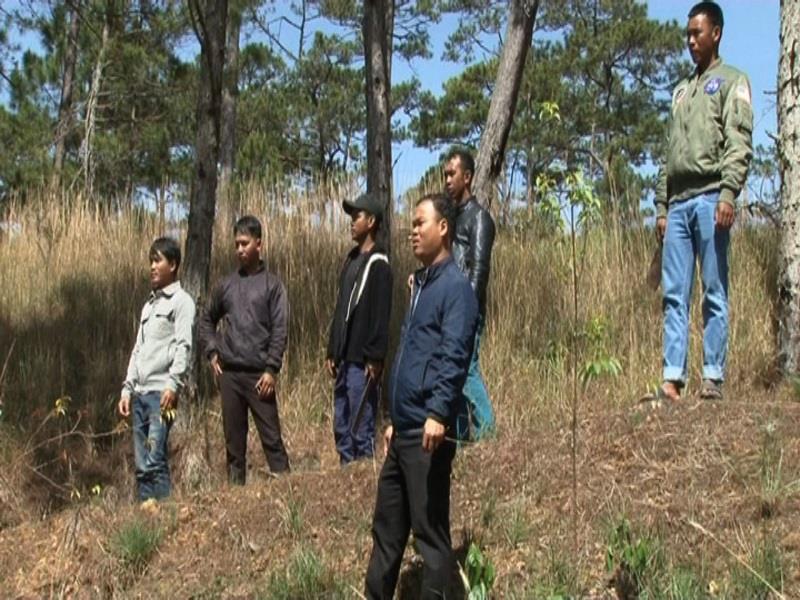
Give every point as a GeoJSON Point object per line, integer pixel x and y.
{"type": "Point", "coordinates": [367, 202]}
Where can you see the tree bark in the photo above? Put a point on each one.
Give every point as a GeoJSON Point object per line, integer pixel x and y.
{"type": "Point", "coordinates": [67, 84]}
{"type": "Point", "coordinates": [492, 148]}
{"type": "Point", "coordinates": [230, 94]}
{"type": "Point", "coordinates": [789, 152]}
{"type": "Point", "coordinates": [209, 21]}
{"type": "Point", "coordinates": [376, 28]}
{"type": "Point", "coordinates": [87, 158]}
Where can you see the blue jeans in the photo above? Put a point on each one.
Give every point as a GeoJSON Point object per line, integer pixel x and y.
{"type": "Point", "coordinates": [692, 233]}
{"type": "Point", "coordinates": [351, 381]}
{"type": "Point", "coordinates": [481, 419]}
{"type": "Point", "coordinates": [150, 433]}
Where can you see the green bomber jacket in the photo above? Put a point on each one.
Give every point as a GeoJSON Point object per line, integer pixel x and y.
{"type": "Point", "coordinates": [710, 137]}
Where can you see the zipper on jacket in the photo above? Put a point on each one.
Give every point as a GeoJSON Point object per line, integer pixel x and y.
{"type": "Point", "coordinates": [423, 279]}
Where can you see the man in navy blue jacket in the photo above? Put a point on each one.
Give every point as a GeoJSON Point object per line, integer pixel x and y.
{"type": "Point", "coordinates": [425, 396]}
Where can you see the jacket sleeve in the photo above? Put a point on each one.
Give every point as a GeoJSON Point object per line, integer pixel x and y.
{"type": "Point", "coordinates": [379, 296]}
{"type": "Point", "coordinates": [130, 375]}
{"type": "Point", "coordinates": [207, 324]}
{"type": "Point", "coordinates": [661, 190]}
{"type": "Point", "coordinates": [737, 129]}
{"type": "Point", "coordinates": [662, 182]}
{"type": "Point", "coordinates": [182, 360]}
{"type": "Point", "coordinates": [480, 248]}
{"type": "Point", "coordinates": [459, 323]}
{"type": "Point", "coordinates": [278, 306]}
{"type": "Point", "coordinates": [329, 351]}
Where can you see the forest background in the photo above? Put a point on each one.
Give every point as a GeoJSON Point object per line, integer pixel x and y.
{"type": "Point", "coordinates": [583, 493]}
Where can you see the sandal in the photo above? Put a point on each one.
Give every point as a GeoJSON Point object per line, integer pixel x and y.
{"type": "Point", "coordinates": [711, 390]}
{"type": "Point", "coordinates": [659, 395]}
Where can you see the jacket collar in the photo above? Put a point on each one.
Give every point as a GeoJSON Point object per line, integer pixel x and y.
{"type": "Point", "coordinates": [355, 251]}
{"type": "Point", "coordinates": [428, 274]}
{"type": "Point", "coordinates": [717, 62]}
{"type": "Point", "coordinates": [167, 291]}
{"type": "Point", "coordinates": [461, 207]}
{"type": "Point", "coordinates": [261, 267]}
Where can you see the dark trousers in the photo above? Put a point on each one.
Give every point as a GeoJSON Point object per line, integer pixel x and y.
{"type": "Point", "coordinates": [238, 389]}
{"type": "Point", "coordinates": [413, 495]}
{"type": "Point", "coordinates": [349, 391]}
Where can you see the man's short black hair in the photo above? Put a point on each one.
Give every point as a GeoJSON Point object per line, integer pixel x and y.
{"type": "Point", "coordinates": [464, 157]}
{"type": "Point", "coordinates": [168, 248]}
{"type": "Point", "coordinates": [711, 10]}
{"type": "Point", "coordinates": [444, 208]}
{"type": "Point", "coordinates": [248, 225]}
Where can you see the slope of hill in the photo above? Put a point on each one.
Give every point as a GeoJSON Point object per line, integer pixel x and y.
{"type": "Point", "coordinates": [685, 501]}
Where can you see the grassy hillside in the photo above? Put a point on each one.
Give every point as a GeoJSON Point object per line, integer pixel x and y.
{"type": "Point", "coordinates": [701, 500]}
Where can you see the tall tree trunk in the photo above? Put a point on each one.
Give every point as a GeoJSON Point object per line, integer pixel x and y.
{"type": "Point", "coordinates": [789, 150]}
{"type": "Point", "coordinates": [376, 28]}
{"type": "Point", "coordinates": [388, 23]}
{"type": "Point", "coordinates": [67, 84]}
{"type": "Point", "coordinates": [492, 149]}
{"type": "Point", "coordinates": [208, 19]}
{"type": "Point", "coordinates": [91, 110]}
{"type": "Point", "coordinates": [230, 93]}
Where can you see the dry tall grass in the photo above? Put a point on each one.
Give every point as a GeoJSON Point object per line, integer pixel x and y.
{"type": "Point", "coordinates": [74, 279]}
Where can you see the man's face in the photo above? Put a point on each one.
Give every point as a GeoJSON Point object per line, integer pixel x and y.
{"type": "Point", "coordinates": [360, 224]}
{"type": "Point", "coordinates": [162, 271]}
{"type": "Point", "coordinates": [248, 250]}
{"type": "Point", "coordinates": [702, 38]}
{"type": "Point", "coordinates": [457, 180]}
{"type": "Point", "coordinates": [428, 233]}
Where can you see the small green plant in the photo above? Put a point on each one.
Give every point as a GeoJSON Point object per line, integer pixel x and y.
{"type": "Point", "coordinates": [766, 562]}
{"type": "Point", "coordinates": [136, 542]}
{"type": "Point", "coordinates": [683, 584]}
{"type": "Point", "coordinates": [305, 577]}
{"type": "Point", "coordinates": [477, 574]}
{"type": "Point", "coordinates": [489, 509]}
{"type": "Point", "coordinates": [555, 357]}
{"type": "Point", "coordinates": [774, 486]}
{"type": "Point", "coordinates": [771, 469]}
{"type": "Point", "coordinates": [559, 580]}
{"type": "Point", "coordinates": [515, 527]}
{"type": "Point", "coordinates": [292, 515]}
{"type": "Point", "coordinates": [600, 362]}
{"type": "Point", "coordinates": [634, 562]}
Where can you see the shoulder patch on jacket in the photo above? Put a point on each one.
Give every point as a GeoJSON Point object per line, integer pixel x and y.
{"type": "Point", "coordinates": [743, 92]}
{"type": "Point", "coordinates": [713, 85]}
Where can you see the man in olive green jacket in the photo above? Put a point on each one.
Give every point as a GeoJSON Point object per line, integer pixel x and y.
{"type": "Point", "coordinates": [708, 154]}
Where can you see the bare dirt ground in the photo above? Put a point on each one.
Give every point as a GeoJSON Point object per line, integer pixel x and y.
{"type": "Point", "coordinates": [712, 482]}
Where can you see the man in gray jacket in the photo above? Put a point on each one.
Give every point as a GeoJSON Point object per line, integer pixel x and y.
{"type": "Point", "coordinates": [158, 369]}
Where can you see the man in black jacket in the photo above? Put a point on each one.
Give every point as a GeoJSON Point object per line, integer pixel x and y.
{"type": "Point", "coordinates": [472, 251]}
{"type": "Point", "coordinates": [359, 332]}
{"type": "Point", "coordinates": [425, 397]}
{"type": "Point", "coordinates": [247, 355]}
